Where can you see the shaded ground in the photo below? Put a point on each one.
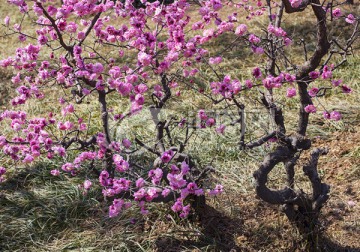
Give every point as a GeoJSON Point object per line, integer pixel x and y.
{"type": "Point", "coordinates": [341, 170]}
{"type": "Point", "coordinates": [42, 213]}
{"type": "Point", "coordinates": [242, 223]}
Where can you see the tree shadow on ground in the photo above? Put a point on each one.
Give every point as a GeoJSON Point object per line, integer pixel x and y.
{"type": "Point", "coordinates": [328, 245]}
{"type": "Point", "coordinates": [36, 208]}
{"type": "Point", "coordinates": [219, 232]}
{"type": "Point", "coordinates": [216, 233]}
{"type": "Point", "coordinates": [222, 233]}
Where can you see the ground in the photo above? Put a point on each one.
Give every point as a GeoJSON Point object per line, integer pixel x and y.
{"type": "Point", "coordinates": [40, 212]}
{"type": "Point", "coordinates": [234, 221]}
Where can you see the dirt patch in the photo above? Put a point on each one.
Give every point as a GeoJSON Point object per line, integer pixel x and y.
{"type": "Point", "coordinates": [341, 169]}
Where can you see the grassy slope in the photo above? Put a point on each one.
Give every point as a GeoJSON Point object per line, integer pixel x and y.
{"type": "Point", "coordinates": [42, 213]}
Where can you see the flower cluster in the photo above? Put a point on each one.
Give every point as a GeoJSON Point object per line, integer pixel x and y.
{"type": "Point", "coordinates": [205, 120]}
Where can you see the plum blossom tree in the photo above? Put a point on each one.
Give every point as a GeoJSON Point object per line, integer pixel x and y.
{"type": "Point", "coordinates": [148, 55]}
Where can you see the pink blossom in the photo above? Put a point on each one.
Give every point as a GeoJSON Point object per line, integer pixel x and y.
{"type": "Point", "coordinates": [248, 84]}
{"type": "Point", "coordinates": [215, 60]}
{"type": "Point", "coordinates": [313, 91]}
{"type": "Point", "coordinates": [314, 75]}
{"type": "Point", "coordinates": [81, 35]}
{"type": "Point", "coordinates": [42, 40]}
{"type": "Point", "coordinates": [346, 89]}
{"type": "Point", "coordinates": [77, 50]}
{"type": "Point", "coordinates": [116, 207]}
{"type": "Point", "coordinates": [59, 151]}
{"type": "Point", "coordinates": [82, 127]}
{"type": "Point", "coordinates": [326, 115]}
{"type": "Point", "coordinates": [241, 30]}
{"type": "Point", "coordinates": [277, 31]}
{"type": "Point", "coordinates": [97, 68]}
{"type": "Point", "coordinates": [210, 122]}
{"type": "Point", "coordinates": [71, 27]}
{"type": "Point", "coordinates": [174, 169]}
{"type": "Point", "coordinates": [124, 88]}
{"type": "Point", "coordinates": [185, 211]}
{"type": "Point", "coordinates": [115, 72]}
{"type": "Point", "coordinates": [126, 143]}
{"type": "Point", "coordinates": [6, 21]}
{"type": "Point", "coordinates": [336, 83]}
{"type": "Point", "coordinates": [269, 82]}
{"type": "Point", "coordinates": [113, 211]}
{"type": "Point", "coordinates": [69, 109]}
{"type": "Point", "coordinates": [138, 195]}
{"type": "Point", "coordinates": [310, 108]}
{"type": "Point", "coordinates": [28, 158]}
{"type": "Point", "coordinates": [172, 56]}
{"type": "Point", "coordinates": [287, 41]}
{"type": "Point", "coordinates": [22, 37]}
{"type": "Point", "coordinates": [202, 115]}
{"type": "Point", "coordinates": [167, 156]}
{"type": "Point", "coordinates": [2, 170]}
{"type": "Point", "coordinates": [326, 74]}
{"type": "Point", "coordinates": [191, 187]}
{"type": "Point", "coordinates": [143, 210]}
{"type": "Point", "coordinates": [217, 5]}
{"type": "Point", "coordinates": [87, 184]}
{"type": "Point", "coordinates": [184, 168]}
{"type": "Point", "coordinates": [254, 39]}
{"type": "Point", "coordinates": [221, 129]}
{"type": "Point", "coordinates": [121, 165]}
{"type": "Point", "coordinates": [217, 190]}
{"type": "Point", "coordinates": [156, 176]}
{"type": "Point", "coordinates": [103, 178]}
{"type": "Point", "coordinates": [140, 89]}
{"type": "Point", "coordinates": [117, 117]}
{"type": "Point", "coordinates": [350, 19]}
{"type": "Point", "coordinates": [336, 12]}
{"type": "Point", "coordinates": [53, 35]}
{"type": "Point", "coordinates": [178, 205]}
{"type": "Point", "coordinates": [335, 115]}
{"type": "Point", "coordinates": [139, 99]}
{"type": "Point", "coordinates": [52, 10]}
{"type": "Point", "coordinates": [144, 58]}
{"type": "Point", "coordinates": [256, 72]}
{"type": "Point", "coordinates": [257, 49]}
{"type": "Point", "coordinates": [17, 27]}
{"type": "Point", "coordinates": [140, 182]}
{"type": "Point", "coordinates": [16, 79]}
{"type": "Point", "coordinates": [197, 26]}
{"type": "Point", "coordinates": [68, 167]}
{"type": "Point", "coordinates": [165, 192]}
{"type": "Point", "coordinates": [208, 33]}
{"type": "Point", "coordinates": [176, 181]}
{"type": "Point", "coordinates": [68, 125]}
{"type": "Point", "coordinates": [290, 92]}
{"type": "Point", "coordinates": [151, 193]}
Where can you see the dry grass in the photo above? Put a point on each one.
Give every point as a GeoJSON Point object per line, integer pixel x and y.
{"type": "Point", "coordinates": [44, 213]}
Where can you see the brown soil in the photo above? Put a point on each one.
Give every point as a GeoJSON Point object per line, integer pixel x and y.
{"type": "Point", "coordinates": [342, 171]}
